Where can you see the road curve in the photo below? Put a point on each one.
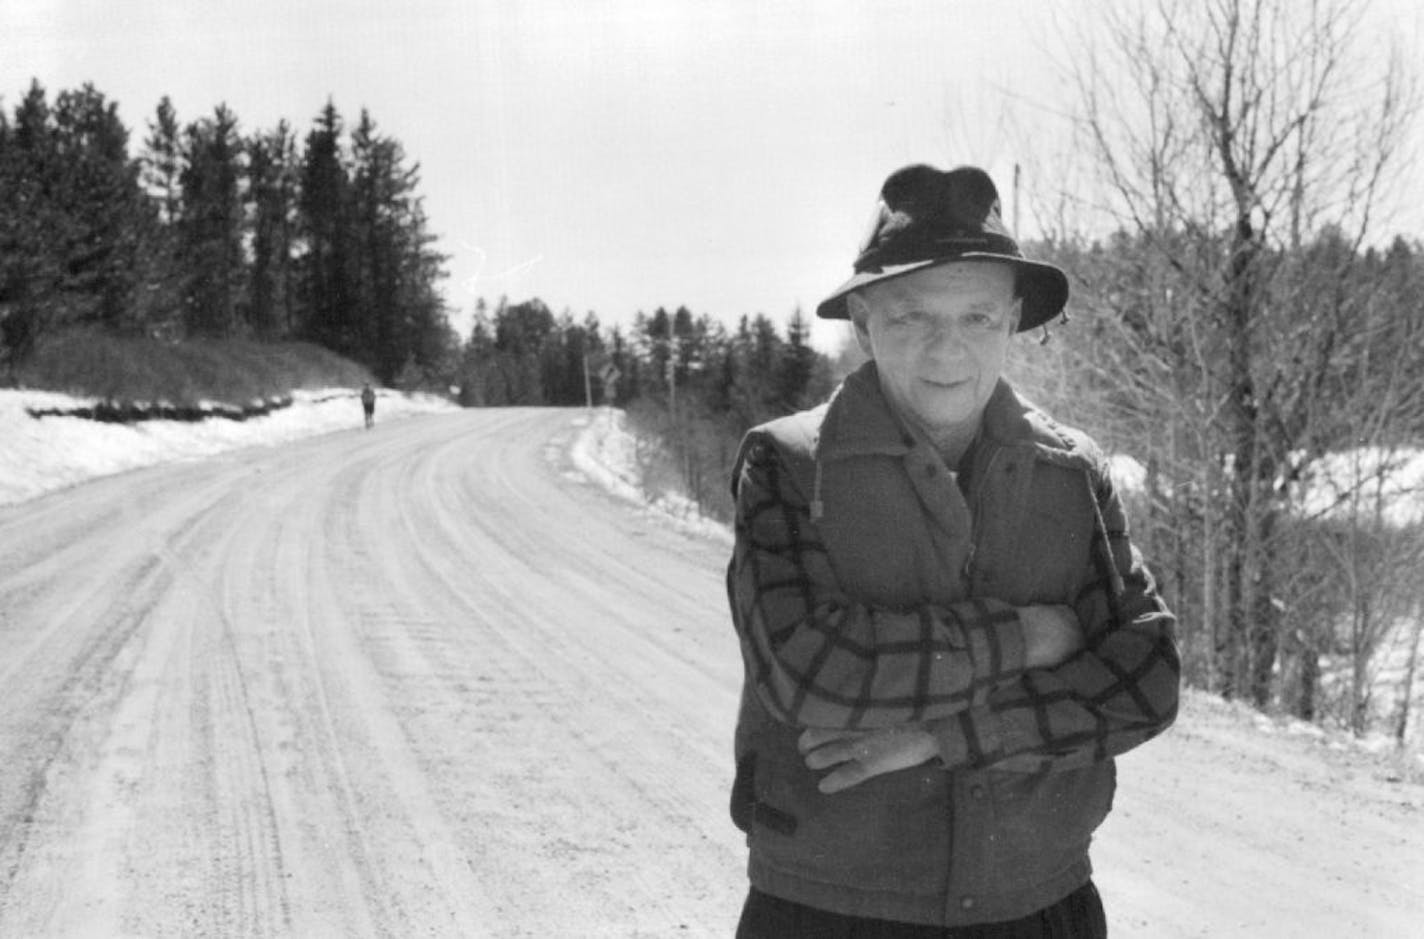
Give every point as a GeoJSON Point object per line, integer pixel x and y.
{"type": "Point", "coordinates": [424, 681]}
{"type": "Point", "coordinates": [417, 681]}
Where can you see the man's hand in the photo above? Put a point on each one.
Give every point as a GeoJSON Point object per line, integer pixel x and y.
{"type": "Point", "coordinates": [859, 755]}
{"type": "Point", "coordinates": [1052, 634]}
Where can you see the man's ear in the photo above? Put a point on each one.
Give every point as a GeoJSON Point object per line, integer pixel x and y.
{"type": "Point", "coordinates": [859, 317]}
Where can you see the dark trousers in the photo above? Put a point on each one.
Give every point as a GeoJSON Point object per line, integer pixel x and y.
{"type": "Point", "coordinates": [1077, 916]}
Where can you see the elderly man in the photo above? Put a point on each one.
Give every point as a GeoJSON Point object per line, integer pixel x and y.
{"type": "Point", "coordinates": [946, 633]}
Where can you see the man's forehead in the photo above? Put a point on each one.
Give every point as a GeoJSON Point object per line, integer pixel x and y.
{"type": "Point", "coordinates": [969, 277]}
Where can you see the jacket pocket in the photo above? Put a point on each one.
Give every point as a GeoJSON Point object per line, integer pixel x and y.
{"type": "Point", "coordinates": [1044, 821]}
{"type": "Point", "coordinates": [747, 810]}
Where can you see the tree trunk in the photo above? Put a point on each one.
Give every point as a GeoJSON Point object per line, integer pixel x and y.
{"type": "Point", "coordinates": [1401, 723]}
{"type": "Point", "coordinates": [1306, 698]}
{"type": "Point", "coordinates": [1265, 618]}
{"type": "Point", "coordinates": [1359, 664]}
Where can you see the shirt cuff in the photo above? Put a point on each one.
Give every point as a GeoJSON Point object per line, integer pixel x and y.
{"type": "Point", "coordinates": [971, 738]}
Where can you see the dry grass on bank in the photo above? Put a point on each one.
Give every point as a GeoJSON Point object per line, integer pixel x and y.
{"type": "Point", "coordinates": [235, 372]}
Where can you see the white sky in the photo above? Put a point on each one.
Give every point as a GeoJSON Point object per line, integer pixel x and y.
{"type": "Point", "coordinates": [613, 155]}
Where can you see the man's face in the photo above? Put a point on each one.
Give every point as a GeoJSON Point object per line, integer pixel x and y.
{"type": "Point", "coordinates": [939, 338]}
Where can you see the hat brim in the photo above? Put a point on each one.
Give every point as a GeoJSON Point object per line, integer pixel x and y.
{"type": "Point", "coordinates": [1043, 287]}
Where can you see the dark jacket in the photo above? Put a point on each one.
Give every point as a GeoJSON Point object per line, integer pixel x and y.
{"type": "Point", "coordinates": [870, 586]}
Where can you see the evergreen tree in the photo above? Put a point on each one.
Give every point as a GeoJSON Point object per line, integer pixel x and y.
{"type": "Point", "coordinates": [76, 219]}
{"type": "Point", "coordinates": [397, 319]}
{"type": "Point", "coordinates": [325, 293]}
{"type": "Point", "coordinates": [209, 234]}
{"type": "Point", "coordinates": [656, 340]}
{"type": "Point", "coordinates": [687, 340]}
{"type": "Point", "coordinates": [212, 226]}
{"type": "Point", "coordinates": [561, 362]}
{"type": "Point", "coordinates": [797, 368]}
{"type": "Point", "coordinates": [376, 194]}
{"type": "Point", "coordinates": [98, 191]}
{"type": "Point", "coordinates": [757, 348]}
{"type": "Point", "coordinates": [163, 161]}
{"type": "Point", "coordinates": [31, 228]}
{"type": "Point", "coordinates": [521, 333]}
{"type": "Point", "coordinates": [477, 362]}
{"type": "Point", "coordinates": [272, 190]}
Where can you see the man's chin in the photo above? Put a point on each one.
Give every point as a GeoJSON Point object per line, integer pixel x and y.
{"type": "Point", "coordinates": [947, 409]}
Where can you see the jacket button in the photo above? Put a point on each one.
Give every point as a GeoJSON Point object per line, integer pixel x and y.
{"type": "Point", "coordinates": [967, 903]}
{"type": "Point", "coordinates": [977, 792]}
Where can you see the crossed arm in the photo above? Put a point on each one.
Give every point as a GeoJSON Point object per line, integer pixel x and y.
{"type": "Point", "coordinates": [979, 683]}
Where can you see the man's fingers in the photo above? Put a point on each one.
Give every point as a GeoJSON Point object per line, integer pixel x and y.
{"type": "Point", "coordinates": [861, 756]}
{"type": "Point", "coordinates": [851, 774]}
{"type": "Point", "coordinates": [832, 753]}
{"type": "Point", "coordinates": [813, 737]}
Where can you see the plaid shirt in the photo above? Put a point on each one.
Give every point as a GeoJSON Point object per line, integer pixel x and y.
{"type": "Point", "coordinates": [816, 656]}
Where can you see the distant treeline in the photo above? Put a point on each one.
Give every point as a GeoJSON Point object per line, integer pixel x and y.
{"type": "Point", "coordinates": [691, 385]}
{"type": "Point", "coordinates": [210, 232]}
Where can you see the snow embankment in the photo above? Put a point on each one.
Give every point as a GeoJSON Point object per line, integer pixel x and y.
{"type": "Point", "coordinates": [610, 455]}
{"type": "Point", "coordinates": [1368, 484]}
{"type": "Point", "coordinates": [42, 454]}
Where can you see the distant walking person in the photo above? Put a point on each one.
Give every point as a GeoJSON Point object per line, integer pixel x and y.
{"type": "Point", "coordinates": [368, 404]}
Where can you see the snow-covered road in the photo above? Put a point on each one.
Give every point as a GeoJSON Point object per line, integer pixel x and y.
{"type": "Point", "coordinates": [411, 682]}
{"type": "Point", "coordinates": [427, 681]}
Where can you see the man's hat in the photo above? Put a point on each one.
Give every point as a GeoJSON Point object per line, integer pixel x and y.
{"type": "Point", "coordinates": [927, 217]}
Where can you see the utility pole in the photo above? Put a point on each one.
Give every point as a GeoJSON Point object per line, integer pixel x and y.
{"type": "Point", "coordinates": [587, 384]}
{"type": "Point", "coordinates": [681, 439]}
{"type": "Point", "coordinates": [1018, 233]}
{"type": "Point", "coordinates": [670, 373]}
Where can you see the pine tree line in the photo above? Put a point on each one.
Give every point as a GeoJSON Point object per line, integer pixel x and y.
{"type": "Point", "coordinates": [210, 232]}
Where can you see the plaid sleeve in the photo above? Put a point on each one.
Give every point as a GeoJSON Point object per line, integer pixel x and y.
{"type": "Point", "coordinates": [817, 658]}
{"type": "Point", "coordinates": [1118, 692]}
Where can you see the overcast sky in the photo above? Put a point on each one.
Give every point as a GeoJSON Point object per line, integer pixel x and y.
{"type": "Point", "coordinates": [606, 155]}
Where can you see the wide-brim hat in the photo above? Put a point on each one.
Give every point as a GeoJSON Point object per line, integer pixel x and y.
{"type": "Point", "coordinates": [928, 217]}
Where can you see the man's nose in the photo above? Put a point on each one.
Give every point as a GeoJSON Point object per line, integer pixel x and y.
{"type": "Point", "coordinates": [948, 341]}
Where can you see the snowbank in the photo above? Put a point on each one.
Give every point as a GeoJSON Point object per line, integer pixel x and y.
{"type": "Point", "coordinates": [1366, 479]}
{"type": "Point", "coordinates": [42, 454]}
{"type": "Point", "coordinates": [606, 453]}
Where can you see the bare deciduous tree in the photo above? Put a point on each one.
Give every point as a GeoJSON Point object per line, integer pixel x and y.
{"type": "Point", "coordinates": [1244, 148]}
